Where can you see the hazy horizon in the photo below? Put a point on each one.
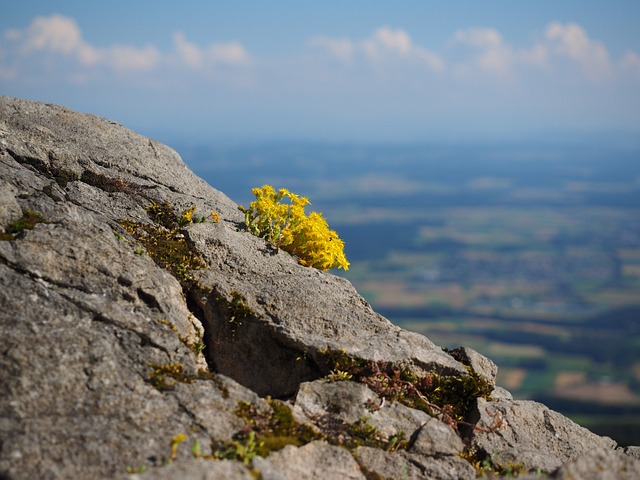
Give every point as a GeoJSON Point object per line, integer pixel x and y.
{"type": "Point", "coordinates": [358, 71]}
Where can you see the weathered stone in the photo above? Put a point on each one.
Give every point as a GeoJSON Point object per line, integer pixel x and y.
{"type": "Point", "coordinates": [314, 460]}
{"type": "Point", "coordinates": [446, 467]}
{"type": "Point", "coordinates": [352, 402]}
{"type": "Point", "coordinates": [379, 464]}
{"type": "Point", "coordinates": [600, 464]}
{"type": "Point", "coordinates": [9, 207]}
{"type": "Point", "coordinates": [532, 434]}
{"type": "Point", "coordinates": [346, 400]}
{"type": "Point", "coordinates": [436, 438]}
{"type": "Point", "coordinates": [484, 367]}
{"type": "Point", "coordinates": [197, 469]}
{"type": "Point", "coordinates": [632, 451]}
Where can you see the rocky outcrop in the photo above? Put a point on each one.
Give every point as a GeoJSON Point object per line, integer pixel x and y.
{"type": "Point", "coordinates": [143, 338]}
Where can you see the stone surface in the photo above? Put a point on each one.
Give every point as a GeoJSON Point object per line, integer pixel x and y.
{"type": "Point", "coordinates": [483, 366]}
{"type": "Point", "coordinates": [312, 461]}
{"type": "Point", "coordinates": [352, 402]}
{"type": "Point", "coordinates": [386, 464]}
{"type": "Point", "coordinates": [600, 464]}
{"type": "Point", "coordinates": [101, 360]}
{"type": "Point", "coordinates": [196, 469]}
{"type": "Point", "coordinates": [436, 438]}
{"type": "Point", "coordinates": [529, 432]}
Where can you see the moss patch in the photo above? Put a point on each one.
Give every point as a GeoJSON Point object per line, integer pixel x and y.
{"type": "Point", "coordinates": [28, 221]}
{"type": "Point", "coordinates": [165, 376]}
{"type": "Point", "coordinates": [271, 429]}
{"type": "Point", "coordinates": [448, 397]}
{"type": "Point", "coordinates": [488, 467]}
{"type": "Point", "coordinates": [164, 243]}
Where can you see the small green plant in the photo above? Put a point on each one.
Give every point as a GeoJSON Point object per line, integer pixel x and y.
{"type": "Point", "coordinates": [135, 470]}
{"type": "Point", "coordinates": [242, 450]}
{"type": "Point", "coordinates": [176, 440]}
{"type": "Point", "coordinates": [165, 376]}
{"type": "Point", "coordinates": [163, 242]}
{"type": "Point", "coordinates": [279, 217]}
{"type": "Point", "coordinates": [488, 466]}
{"type": "Point", "coordinates": [28, 221]}
{"type": "Point", "coordinates": [449, 398]}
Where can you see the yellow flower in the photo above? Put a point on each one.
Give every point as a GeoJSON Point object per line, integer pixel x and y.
{"type": "Point", "coordinates": [287, 226]}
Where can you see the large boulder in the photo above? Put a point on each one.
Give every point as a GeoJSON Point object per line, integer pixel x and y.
{"type": "Point", "coordinates": [146, 334]}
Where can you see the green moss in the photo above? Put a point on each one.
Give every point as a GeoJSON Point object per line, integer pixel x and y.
{"type": "Point", "coordinates": [165, 376]}
{"type": "Point", "coordinates": [28, 221]}
{"type": "Point", "coordinates": [196, 346]}
{"type": "Point", "coordinates": [275, 428]}
{"type": "Point", "coordinates": [163, 214]}
{"type": "Point", "coordinates": [448, 397]}
{"type": "Point", "coordinates": [485, 465]}
{"type": "Point", "coordinates": [237, 308]}
{"type": "Point", "coordinates": [164, 244]}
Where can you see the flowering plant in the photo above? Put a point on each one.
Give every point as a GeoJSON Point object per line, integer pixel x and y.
{"type": "Point", "coordinates": [279, 217]}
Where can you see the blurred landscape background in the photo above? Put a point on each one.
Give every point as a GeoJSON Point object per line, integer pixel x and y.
{"type": "Point", "coordinates": [529, 252]}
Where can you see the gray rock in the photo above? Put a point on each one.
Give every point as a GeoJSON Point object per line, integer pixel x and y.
{"type": "Point", "coordinates": [314, 460]}
{"type": "Point", "coordinates": [352, 402]}
{"type": "Point", "coordinates": [600, 464]}
{"type": "Point", "coordinates": [447, 467]}
{"type": "Point", "coordinates": [379, 464]}
{"type": "Point", "coordinates": [500, 393]}
{"type": "Point", "coordinates": [196, 469]}
{"type": "Point", "coordinates": [484, 367]}
{"type": "Point", "coordinates": [348, 401]}
{"type": "Point", "coordinates": [436, 438]}
{"type": "Point", "coordinates": [529, 432]}
{"type": "Point", "coordinates": [9, 207]}
{"type": "Point", "coordinates": [85, 321]}
{"type": "Point", "coordinates": [633, 451]}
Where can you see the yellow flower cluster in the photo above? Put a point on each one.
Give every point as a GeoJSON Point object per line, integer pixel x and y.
{"type": "Point", "coordinates": [286, 225]}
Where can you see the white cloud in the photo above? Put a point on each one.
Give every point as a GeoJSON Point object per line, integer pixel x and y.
{"type": "Point", "coordinates": [561, 45]}
{"type": "Point", "coordinates": [189, 53]}
{"type": "Point", "coordinates": [229, 53]}
{"type": "Point", "coordinates": [492, 55]}
{"type": "Point", "coordinates": [56, 35]}
{"type": "Point", "coordinates": [631, 62]}
{"type": "Point", "coordinates": [123, 58]}
{"type": "Point", "coordinates": [194, 56]}
{"type": "Point", "coordinates": [386, 41]}
{"type": "Point", "coordinates": [571, 40]}
{"type": "Point", "coordinates": [385, 45]}
{"type": "Point", "coordinates": [341, 48]}
{"type": "Point", "coordinates": [479, 37]}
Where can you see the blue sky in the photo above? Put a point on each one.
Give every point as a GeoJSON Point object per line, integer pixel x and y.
{"type": "Point", "coordinates": [366, 71]}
